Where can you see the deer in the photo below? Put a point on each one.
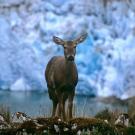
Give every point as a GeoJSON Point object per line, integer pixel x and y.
{"type": "Point", "coordinates": [62, 77]}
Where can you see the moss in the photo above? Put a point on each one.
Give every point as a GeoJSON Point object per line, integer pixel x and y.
{"type": "Point", "coordinates": [45, 126]}
{"type": "Point", "coordinates": [90, 123]}
{"type": "Point", "coordinates": [8, 131]}
{"type": "Point", "coordinates": [28, 126]}
{"type": "Point", "coordinates": [105, 115]}
{"type": "Point", "coordinates": [122, 130]}
{"type": "Point", "coordinates": [129, 131]}
{"type": "Point", "coordinates": [83, 124]}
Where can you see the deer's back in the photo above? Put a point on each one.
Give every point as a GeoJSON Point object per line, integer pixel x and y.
{"type": "Point", "coordinates": [56, 73]}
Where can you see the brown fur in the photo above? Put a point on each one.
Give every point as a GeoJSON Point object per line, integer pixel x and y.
{"type": "Point", "coordinates": [62, 77]}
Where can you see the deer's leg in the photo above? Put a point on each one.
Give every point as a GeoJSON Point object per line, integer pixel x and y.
{"type": "Point", "coordinates": [60, 109]}
{"type": "Point", "coordinates": [54, 107]}
{"type": "Point", "coordinates": [61, 106]}
{"type": "Point", "coordinates": [63, 111]}
{"type": "Point", "coordinates": [53, 97]}
{"type": "Point", "coordinates": [70, 104]}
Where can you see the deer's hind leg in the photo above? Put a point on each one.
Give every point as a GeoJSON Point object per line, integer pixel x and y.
{"type": "Point", "coordinates": [54, 100]}
{"type": "Point", "coordinates": [55, 103]}
{"type": "Point", "coordinates": [70, 104]}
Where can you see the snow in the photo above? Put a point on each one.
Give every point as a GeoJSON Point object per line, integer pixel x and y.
{"type": "Point", "coordinates": [105, 60]}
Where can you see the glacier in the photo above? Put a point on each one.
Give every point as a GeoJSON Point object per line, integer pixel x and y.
{"type": "Point", "coordinates": [105, 60]}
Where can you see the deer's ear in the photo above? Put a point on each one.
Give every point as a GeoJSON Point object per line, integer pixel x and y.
{"type": "Point", "coordinates": [58, 40]}
{"type": "Point", "coordinates": [81, 38]}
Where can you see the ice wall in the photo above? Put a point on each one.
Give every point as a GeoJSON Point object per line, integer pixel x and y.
{"type": "Point", "coordinates": [105, 60]}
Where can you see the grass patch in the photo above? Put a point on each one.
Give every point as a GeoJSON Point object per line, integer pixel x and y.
{"type": "Point", "coordinates": [6, 113]}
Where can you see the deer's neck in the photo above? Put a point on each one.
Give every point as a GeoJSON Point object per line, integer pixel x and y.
{"type": "Point", "coordinates": [70, 69]}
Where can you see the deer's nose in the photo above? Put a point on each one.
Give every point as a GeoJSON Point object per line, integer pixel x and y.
{"type": "Point", "coordinates": [70, 57]}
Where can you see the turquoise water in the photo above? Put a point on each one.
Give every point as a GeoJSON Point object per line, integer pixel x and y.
{"type": "Point", "coordinates": [39, 104]}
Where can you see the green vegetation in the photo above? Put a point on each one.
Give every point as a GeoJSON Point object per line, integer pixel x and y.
{"type": "Point", "coordinates": [5, 112]}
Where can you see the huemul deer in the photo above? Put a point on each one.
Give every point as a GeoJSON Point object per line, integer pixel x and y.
{"type": "Point", "coordinates": [62, 77]}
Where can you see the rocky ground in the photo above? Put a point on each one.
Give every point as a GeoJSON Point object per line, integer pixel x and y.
{"type": "Point", "coordinates": [104, 123]}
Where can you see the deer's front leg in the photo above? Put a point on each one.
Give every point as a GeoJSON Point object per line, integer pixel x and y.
{"type": "Point", "coordinates": [70, 104]}
{"type": "Point", "coordinates": [62, 113]}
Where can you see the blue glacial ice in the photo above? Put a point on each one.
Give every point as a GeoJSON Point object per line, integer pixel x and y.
{"type": "Point", "coordinates": [105, 60]}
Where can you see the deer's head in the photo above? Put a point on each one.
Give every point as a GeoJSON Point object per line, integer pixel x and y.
{"type": "Point", "coordinates": [69, 46]}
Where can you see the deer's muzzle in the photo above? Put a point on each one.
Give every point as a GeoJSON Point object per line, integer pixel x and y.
{"type": "Point", "coordinates": [70, 58]}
